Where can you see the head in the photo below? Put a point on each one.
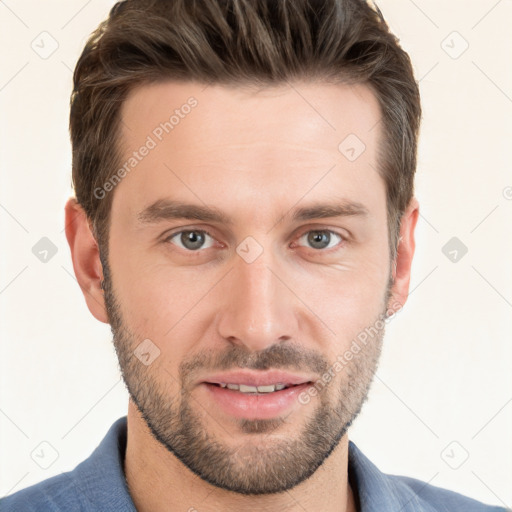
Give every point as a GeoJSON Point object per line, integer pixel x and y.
{"type": "Point", "coordinates": [244, 180]}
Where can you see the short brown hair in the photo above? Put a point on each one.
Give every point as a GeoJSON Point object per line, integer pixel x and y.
{"type": "Point", "coordinates": [261, 42]}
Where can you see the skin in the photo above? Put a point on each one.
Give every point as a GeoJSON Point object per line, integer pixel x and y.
{"type": "Point", "coordinates": [254, 155]}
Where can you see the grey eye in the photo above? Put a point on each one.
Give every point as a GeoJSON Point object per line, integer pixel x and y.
{"type": "Point", "coordinates": [321, 239]}
{"type": "Point", "coordinates": [191, 240]}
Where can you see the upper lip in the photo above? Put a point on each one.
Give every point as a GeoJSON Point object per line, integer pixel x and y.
{"type": "Point", "coordinates": [257, 378]}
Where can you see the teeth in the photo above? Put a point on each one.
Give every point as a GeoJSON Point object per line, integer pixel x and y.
{"type": "Point", "coordinates": [248, 389]}
{"type": "Point", "coordinates": [266, 389]}
{"type": "Point", "coordinates": [243, 388]}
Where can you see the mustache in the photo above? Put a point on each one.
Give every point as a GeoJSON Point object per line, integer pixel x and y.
{"type": "Point", "coordinates": [278, 356]}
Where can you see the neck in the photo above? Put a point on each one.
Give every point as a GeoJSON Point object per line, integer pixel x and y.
{"type": "Point", "coordinates": [158, 481]}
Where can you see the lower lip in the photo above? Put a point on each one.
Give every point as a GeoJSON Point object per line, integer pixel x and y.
{"type": "Point", "coordinates": [255, 406]}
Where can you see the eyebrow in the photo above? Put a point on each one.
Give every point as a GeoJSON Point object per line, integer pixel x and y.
{"type": "Point", "coordinates": [167, 209]}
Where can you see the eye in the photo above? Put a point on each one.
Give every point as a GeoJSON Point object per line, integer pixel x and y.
{"type": "Point", "coordinates": [190, 240]}
{"type": "Point", "coordinates": [321, 239]}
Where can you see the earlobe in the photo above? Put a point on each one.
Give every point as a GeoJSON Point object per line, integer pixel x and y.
{"type": "Point", "coordinates": [405, 252]}
{"type": "Point", "coordinates": [86, 258]}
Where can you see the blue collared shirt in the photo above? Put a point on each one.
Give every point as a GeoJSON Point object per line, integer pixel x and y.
{"type": "Point", "coordinates": [98, 484]}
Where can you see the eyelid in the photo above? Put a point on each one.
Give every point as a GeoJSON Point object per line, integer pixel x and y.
{"type": "Point", "coordinates": [343, 239]}
{"type": "Point", "coordinates": [343, 233]}
{"type": "Point", "coordinates": [170, 235]}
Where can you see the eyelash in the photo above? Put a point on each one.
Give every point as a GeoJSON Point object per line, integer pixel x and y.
{"type": "Point", "coordinates": [204, 231]}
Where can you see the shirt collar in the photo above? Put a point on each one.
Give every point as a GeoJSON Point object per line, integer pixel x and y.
{"type": "Point", "coordinates": [378, 492]}
{"type": "Point", "coordinates": [101, 477]}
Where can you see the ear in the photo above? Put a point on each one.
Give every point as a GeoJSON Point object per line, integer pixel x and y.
{"type": "Point", "coordinates": [401, 269]}
{"type": "Point", "coordinates": [86, 258]}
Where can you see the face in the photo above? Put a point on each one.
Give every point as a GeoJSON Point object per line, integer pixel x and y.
{"type": "Point", "coordinates": [248, 250]}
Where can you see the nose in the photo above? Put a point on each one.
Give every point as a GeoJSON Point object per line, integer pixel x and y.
{"type": "Point", "coordinates": [258, 309]}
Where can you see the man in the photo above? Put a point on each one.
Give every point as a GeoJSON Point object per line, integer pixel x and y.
{"type": "Point", "coordinates": [244, 220]}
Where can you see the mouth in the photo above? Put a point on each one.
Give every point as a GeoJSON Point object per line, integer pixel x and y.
{"type": "Point", "coordinates": [256, 390]}
{"type": "Point", "coordinates": [255, 395]}
{"type": "Point", "coordinates": [250, 381]}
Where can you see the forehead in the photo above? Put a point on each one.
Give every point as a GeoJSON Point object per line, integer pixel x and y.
{"type": "Point", "coordinates": [330, 110]}
{"type": "Point", "coordinates": [238, 144]}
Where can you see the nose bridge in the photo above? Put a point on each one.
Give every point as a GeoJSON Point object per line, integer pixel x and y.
{"type": "Point", "coordinates": [258, 308]}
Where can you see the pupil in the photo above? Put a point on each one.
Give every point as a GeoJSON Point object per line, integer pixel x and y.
{"type": "Point", "coordinates": [315, 239]}
{"type": "Point", "coordinates": [192, 239]}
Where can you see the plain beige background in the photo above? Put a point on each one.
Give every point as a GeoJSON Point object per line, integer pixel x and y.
{"type": "Point", "coordinates": [440, 408]}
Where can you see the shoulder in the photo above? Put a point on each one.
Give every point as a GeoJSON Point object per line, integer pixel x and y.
{"type": "Point", "coordinates": [54, 494]}
{"type": "Point", "coordinates": [437, 498]}
{"type": "Point", "coordinates": [380, 491]}
{"type": "Point", "coordinates": [97, 483]}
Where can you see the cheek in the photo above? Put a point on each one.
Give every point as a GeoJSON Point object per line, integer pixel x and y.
{"type": "Point", "coordinates": [347, 313]}
{"type": "Point", "coordinates": [351, 289]}
{"type": "Point", "coordinates": [347, 302]}
{"type": "Point", "coordinates": [160, 302]}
